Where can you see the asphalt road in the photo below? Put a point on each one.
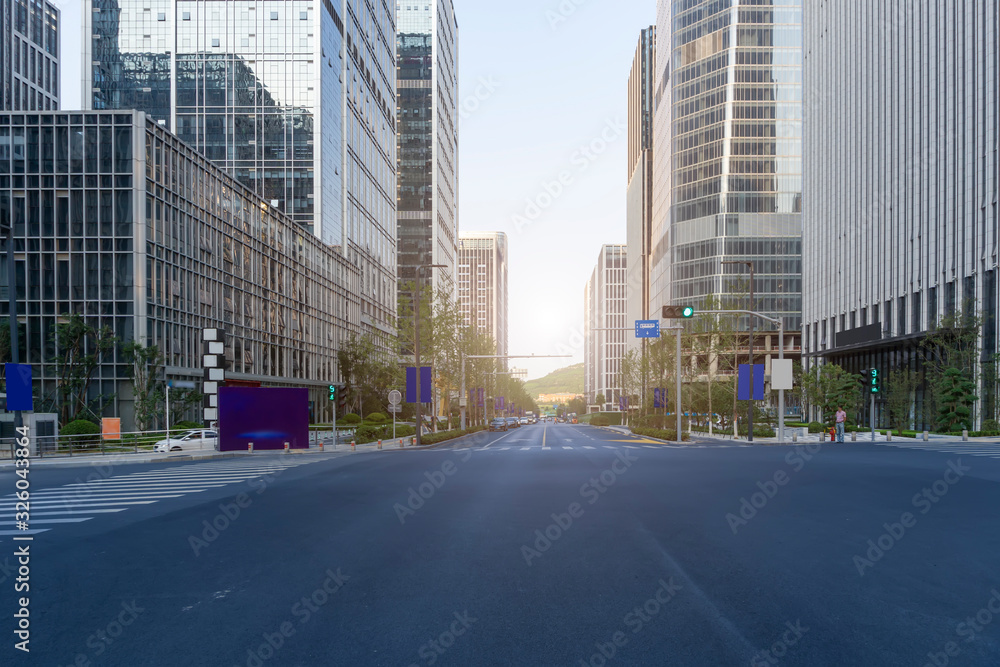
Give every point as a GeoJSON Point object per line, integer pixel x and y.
{"type": "Point", "coordinates": [546, 545]}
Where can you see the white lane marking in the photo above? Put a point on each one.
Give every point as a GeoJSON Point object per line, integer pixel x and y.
{"type": "Point", "coordinates": [34, 521]}
{"type": "Point", "coordinates": [61, 512]}
{"type": "Point", "coordinates": [23, 532]}
{"type": "Point", "coordinates": [565, 447]}
{"type": "Point", "coordinates": [589, 447]}
{"type": "Point", "coordinates": [524, 448]}
{"type": "Point", "coordinates": [498, 440]}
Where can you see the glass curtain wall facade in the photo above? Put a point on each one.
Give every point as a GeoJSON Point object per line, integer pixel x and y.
{"type": "Point", "coordinates": [427, 89]}
{"type": "Point", "coordinates": [729, 112]}
{"type": "Point", "coordinates": [295, 99]}
{"type": "Point", "coordinates": [117, 220]}
{"type": "Point", "coordinates": [605, 324]}
{"type": "Point", "coordinates": [900, 220]}
{"type": "Point", "coordinates": [482, 285]}
{"type": "Point", "coordinates": [639, 205]}
{"type": "Point", "coordinates": [29, 55]}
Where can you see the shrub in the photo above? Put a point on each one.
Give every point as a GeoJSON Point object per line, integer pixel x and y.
{"type": "Point", "coordinates": [662, 434]}
{"type": "Point", "coordinates": [990, 426]}
{"type": "Point", "coordinates": [186, 425]}
{"type": "Point", "coordinates": [441, 436]}
{"type": "Point", "coordinates": [350, 419]}
{"type": "Point", "coordinates": [654, 421]}
{"type": "Point", "coordinates": [86, 432]}
{"type": "Point", "coordinates": [376, 418]}
{"type": "Point", "coordinates": [816, 427]}
{"type": "Point", "coordinates": [759, 430]}
{"type": "Point", "coordinates": [606, 419]}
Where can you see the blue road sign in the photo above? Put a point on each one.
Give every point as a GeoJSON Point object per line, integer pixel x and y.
{"type": "Point", "coordinates": [647, 328]}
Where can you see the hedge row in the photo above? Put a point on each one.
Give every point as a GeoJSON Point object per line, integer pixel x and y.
{"type": "Point", "coordinates": [662, 434]}
{"type": "Point", "coordinates": [441, 436]}
{"type": "Point", "coordinates": [370, 433]}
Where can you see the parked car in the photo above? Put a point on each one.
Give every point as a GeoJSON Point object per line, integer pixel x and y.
{"type": "Point", "coordinates": [498, 424]}
{"type": "Point", "coordinates": [197, 439]}
{"type": "Point", "coordinates": [512, 422]}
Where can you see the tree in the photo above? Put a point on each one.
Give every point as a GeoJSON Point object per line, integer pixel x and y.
{"type": "Point", "coordinates": [902, 383]}
{"type": "Point", "coordinates": [954, 343]}
{"type": "Point", "coordinates": [599, 399]}
{"type": "Point", "coordinates": [832, 387]}
{"type": "Point", "coordinates": [956, 396]}
{"type": "Point", "coordinates": [146, 371]}
{"type": "Point", "coordinates": [369, 370]}
{"type": "Point", "coordinates": [80, 348]}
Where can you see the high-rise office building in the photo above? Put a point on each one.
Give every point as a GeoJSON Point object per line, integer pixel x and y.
{"type": "Point", "coordinates": [900, 223]}
{"type": "Point", "coordinates": [122, 223]}
{"type": "Point", "coordinates": [639, 205]}
{"type": "Point", "coordinates": [727, 155]}
{"type": "Point", "coordinates": [427, 95]}
{"type": "Point", "coordinates": [604, 326]}
{"type": "Point", "coordinates": [482, 284]}
{"type": "Point", "coordinates": [297, 100]}
{"type": "Point", "coordinates": [29, 55]}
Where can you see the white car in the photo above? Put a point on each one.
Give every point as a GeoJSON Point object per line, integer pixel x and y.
{"type": "Point", "coordinates": [199, 439]}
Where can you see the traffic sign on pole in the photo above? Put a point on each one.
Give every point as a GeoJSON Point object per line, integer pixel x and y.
{"type": "Point", "coordinates": [647, 328]}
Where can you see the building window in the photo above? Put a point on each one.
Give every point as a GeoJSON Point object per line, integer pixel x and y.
{"type": "Point", "coordinates": [274, 16]}
{"type": "Point", "coordinates": [161, 17]}
{"type": "Point", "coordinates": [185, 16]}
{"type": "Point", "coordinates": [215, 42]}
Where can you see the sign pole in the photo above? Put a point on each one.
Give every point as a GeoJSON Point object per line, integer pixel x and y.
{"type": "Point", "coordinates": [680, 438]}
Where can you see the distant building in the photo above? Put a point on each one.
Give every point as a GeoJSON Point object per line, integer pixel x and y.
{"type": "Point", "coordinates": [121, 222]}
{"type": "Point", "coordinates": [556, 399]}
{"type": "Point", "coordinates": [900, 220]}
{"type": "Point", "coordinates": [29, 55]}
{"type": "Point", "coordinates": [296, 100]}
{"type": "Point", "coordinates": [605, 325]}
{"type": "Point", "coordinates": [427, 117]}
{"type": "Point", "coordinates": [482, 284]}
{"type": "Point", "coordinates": [639, 204]}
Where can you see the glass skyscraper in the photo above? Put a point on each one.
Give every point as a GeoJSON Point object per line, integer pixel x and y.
{"type": "Point", "coordinates": [482, 285]}
{"type": "Point", "coordinates": [727, 154]}
{"type": "Point", "coordinates": [900, 219]}
{"type": "Point", "coordinates": [427, 89]}
{"type": "Point", "coordinates": [639, 206]}
{"type": "Point", "coordinates": [295, 99]}
{"type": "Point", "coordinates": [29, 55]}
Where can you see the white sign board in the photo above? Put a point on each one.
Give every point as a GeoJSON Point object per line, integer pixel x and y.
{"type": "Point", "coordinates": [781, 374]}
{"type": "Point", "coordinates": [395, 397]}
{"type": "Point", "coordinates": [395, 408]}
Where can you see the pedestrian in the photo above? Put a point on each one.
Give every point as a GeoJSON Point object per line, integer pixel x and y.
{"type": "Point", "coordinates": [841, 419]}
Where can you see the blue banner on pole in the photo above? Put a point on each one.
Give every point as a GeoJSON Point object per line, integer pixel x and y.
{"type": "Point", "coordinates": [481, 397]}
{"type": "Point", "coordinates": [743, 382]}
{"type": "Point", "coordinates": [18, 387]}
{"type": "Point", "coordinates": [425, 384]}
{"type": "Point", "coordinates": [622, 403]}
{"type": "Point", "coordinates": [659, 397]}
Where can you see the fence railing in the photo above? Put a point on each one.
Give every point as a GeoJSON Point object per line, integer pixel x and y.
{"type": "Point", "coordinates": [81, 445]}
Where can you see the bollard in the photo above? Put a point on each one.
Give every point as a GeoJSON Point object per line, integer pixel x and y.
{"type": "Point", "coordinates": [400, 443]}
{"type": "Point", "coordinates": [965, 435]}
{"type": "Point", "coordinates": [320, 445]}
{"type": "Point", "coordinates": [286, 447]}
{"type": "Point", "coordinates": [795, 436]}
{"type": "Point", "coordinates": [380, 444]}
{"type": "Point", "coordinates": [854, 436]}
{"type": "Point", "coordinates": [352, 446]}
{"type": "Point", "coordinates": [888, 436]}
{"type": "Point", "coordinates": [925, 436]}
{"type": "Point", "coordinates": [250, 447]}
{"type": "Point", "coordinates": [414, 441]}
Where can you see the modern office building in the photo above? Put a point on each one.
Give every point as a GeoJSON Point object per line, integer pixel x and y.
{"type": "Point", "coordinates": [482, 284]}
{"type": "Point", "coordinates": [900, 224]}
{"type": "Point", "coordinates": [297, 100]}
{"type": "Point", "coordinates": [116, 219]}
{"type": "Point", "coordinates": [427, 118]}
{"type": "Point", "coordinates": [639, 204]}
{"type": "Point", "coordinates": [727, 155]}
{"type": "Point", "coordinates": [29, 55]}
{"type": "Point", "coordinates": [604, 331]}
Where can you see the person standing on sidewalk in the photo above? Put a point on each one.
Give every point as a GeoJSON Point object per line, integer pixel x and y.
{"type": "Point", "coordinates": [841, 419]}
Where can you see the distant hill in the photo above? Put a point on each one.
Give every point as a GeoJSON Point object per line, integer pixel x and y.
{"type": "Point", "coordinates": [563, 380]}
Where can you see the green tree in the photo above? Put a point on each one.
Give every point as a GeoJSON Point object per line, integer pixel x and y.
{"type": "Point", "coordinates": [146, 372]}
{"type": "Point", "coordinates": [956, 395]}
{"type": "Point", "coordinates": [599, 399]}
{"type": "Point", "coordinates": [831, 387]}
{"type": "Point", "coordinates": [80, 348]}
{"type": "Point", "coordinates": [902, 383]}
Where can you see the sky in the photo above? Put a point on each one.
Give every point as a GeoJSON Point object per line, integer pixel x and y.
{"type": "Point", "coordinates": [542, 147]}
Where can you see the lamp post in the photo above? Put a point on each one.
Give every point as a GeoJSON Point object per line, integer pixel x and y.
{"type": "Point", "coordinates": [749, 264]}
{"type": "Point", "coordinates": [416, 340]}
{"type": "Point", "coordinates": [15, 346]}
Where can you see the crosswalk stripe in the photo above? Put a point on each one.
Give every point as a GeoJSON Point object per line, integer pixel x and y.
{"type": "Point", "coordinates": [588, 447]}
{"type": "Point", "coordinates": [23, 532]}
{"type": "Point", "coordinates": [524, 448]}
{"type": "Point", "coordinates": [37, 521]}
{"type": "Point", "coordinates": [565, 447]}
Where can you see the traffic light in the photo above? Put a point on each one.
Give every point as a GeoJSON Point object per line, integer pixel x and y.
{"type": "Point", "coordinates": [333, 392]}
{"type": "Point", "coordinates": [675, 312]}
{"type": "Point", "coordinates": [873, 381]}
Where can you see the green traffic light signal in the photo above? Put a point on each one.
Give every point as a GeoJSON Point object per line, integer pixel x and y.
{"type": "Point", "coordinates": [333, 392]}
{"type": "Point", "coordinates": [688, 311]}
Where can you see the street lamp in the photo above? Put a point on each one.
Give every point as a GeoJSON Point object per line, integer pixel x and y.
{"type": "Point", "coordinates": [8, 230]}
{"type": "Point", "coordinates": [416, 339]}
{"type": "Point", "coordinates": [749, 264]}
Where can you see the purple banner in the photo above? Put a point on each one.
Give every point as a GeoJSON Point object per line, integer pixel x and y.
{"type": "Point", "coordinates": [481, 397]}
{"type": "Point", "coordinates": [743, 382]}
{"type": "Point", "coordinates": [425, 384]}
{"type": "Point", "coordinates": [266, 416]}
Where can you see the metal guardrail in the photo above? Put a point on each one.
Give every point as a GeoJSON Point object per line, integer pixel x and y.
{"type": "Point", "coordinates": [50, 446]}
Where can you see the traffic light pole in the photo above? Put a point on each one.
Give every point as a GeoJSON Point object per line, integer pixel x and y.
{"type": "Point", "coordinates": [873, 417]}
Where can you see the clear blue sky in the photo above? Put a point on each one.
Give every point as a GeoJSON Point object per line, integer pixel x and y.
{"type": "Point", "coordinates": [540, 81]}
